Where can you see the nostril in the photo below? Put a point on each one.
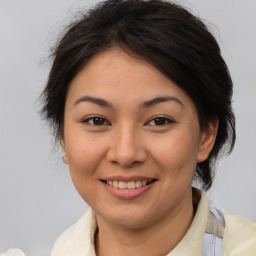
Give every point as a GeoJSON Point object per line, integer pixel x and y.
{"type": "Point", "coordinates": [125, 154]}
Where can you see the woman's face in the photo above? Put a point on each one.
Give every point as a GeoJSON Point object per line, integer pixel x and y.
{"type": "Point", "coordinates": [132, 140]}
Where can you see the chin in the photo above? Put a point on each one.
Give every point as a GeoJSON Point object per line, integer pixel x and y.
{"type": "Point", "coordinates": [129, 217]}
{"type": "Point", "coordinates": [131, 222]}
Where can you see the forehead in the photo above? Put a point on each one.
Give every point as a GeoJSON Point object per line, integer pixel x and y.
{"type": "Point", "coordinates": [117, 76]}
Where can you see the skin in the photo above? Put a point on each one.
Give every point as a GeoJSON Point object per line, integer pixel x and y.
{"type": "Point", "coordinates": [130, 141]}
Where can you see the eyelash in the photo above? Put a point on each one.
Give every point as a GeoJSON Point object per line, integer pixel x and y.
{"type": "Point", "coordinates": [105, 122]}
{"type": "Point", "coordinates": [161, 118]}
{"type": "Point", "coordinates": [95, 118]}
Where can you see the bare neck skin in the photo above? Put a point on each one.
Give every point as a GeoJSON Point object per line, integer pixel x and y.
{"type": "Point", "coordinates": [158, 238]}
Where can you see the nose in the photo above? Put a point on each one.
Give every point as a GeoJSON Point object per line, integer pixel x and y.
{"type": "Point", "coordinates": [126, 148]}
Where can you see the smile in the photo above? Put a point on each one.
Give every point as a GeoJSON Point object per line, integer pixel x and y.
{"type": "Point", "coordinates": [128, 185]}
{"type": "Point", "coordinates": [129, 189]}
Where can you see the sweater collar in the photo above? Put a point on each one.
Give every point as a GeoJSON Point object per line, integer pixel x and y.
{"type": "Point", "coordinates": [78, 239]}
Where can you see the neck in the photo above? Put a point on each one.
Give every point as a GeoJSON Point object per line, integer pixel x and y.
{"type": "Point", "coordinates": [158, 238]}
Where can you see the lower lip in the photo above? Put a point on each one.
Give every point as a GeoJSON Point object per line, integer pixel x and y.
{"type": "Point", "coordinates": [125, 193]}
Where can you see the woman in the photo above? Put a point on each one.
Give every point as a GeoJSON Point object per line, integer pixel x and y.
{"type": "Point", "coordinates": [140, 99]}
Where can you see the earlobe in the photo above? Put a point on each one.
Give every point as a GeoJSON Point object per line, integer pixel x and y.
{"type": "Point", "coordinates": [64, 155]}
{"type": "Point", "coordinates": [65, 158]}
{"type": "Point", "coordinates": [207, 140]}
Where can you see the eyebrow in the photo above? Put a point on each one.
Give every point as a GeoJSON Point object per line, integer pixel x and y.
{"type": "Point", "coordinates": [158, 100]}
{"type": "Point", "coordinates": [95, 100]}
{"type": "Point", "coordinates": [146, 104]}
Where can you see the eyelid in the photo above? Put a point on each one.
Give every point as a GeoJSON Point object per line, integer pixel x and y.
{"type": "Point", "coordinates": [106, 122]}
{"type": "Point", "coordinates": [168, 119]}
{"type": "Point", "coordinates": [91, 117]}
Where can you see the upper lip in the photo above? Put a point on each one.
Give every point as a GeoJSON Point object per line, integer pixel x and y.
{"type": "Point", "coordinates": [127, 179]}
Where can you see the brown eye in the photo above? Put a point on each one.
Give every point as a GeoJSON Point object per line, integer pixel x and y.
{"type": "Point", "coordinates": [160, 121]}
{"type": "Point", "coordinates": [96, 120]}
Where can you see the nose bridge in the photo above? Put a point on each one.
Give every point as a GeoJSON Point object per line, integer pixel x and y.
{"type": "Point", "coordinates": [127, 139]}
{"type": "Point", "coordinates": [127, 147]}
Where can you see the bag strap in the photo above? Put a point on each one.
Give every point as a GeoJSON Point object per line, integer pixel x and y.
{"type": "Point", "coordinates": [214, 232]}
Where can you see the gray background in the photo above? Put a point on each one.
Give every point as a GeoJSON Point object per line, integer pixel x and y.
{"type": "Point", "coordinates": [37, 198]}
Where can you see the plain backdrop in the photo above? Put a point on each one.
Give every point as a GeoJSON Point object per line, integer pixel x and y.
{"type": "Point", "coordinates": [37, 198]}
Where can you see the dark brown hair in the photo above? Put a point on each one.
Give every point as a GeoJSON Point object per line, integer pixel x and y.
{"type": "Point", "coordinates": [166, 35]}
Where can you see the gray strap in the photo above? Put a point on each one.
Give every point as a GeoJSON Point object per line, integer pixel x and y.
{"type": "Point", "coordinates": [213, 236]}
{"type": "Point", "coordinates": [218, 214]}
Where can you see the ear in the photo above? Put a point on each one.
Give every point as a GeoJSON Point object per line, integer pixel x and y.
{"type": "Point", "coordinates": [207, 140]}
{"type": "Point", "coordinates": [64, 156]}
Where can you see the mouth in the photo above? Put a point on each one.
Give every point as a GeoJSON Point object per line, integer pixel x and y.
{"type": "Point", "coordinates": [133, 184]}
{"type": "Point", "coordinates": [128, 188]}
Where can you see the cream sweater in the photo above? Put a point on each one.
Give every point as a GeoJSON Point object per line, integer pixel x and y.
{"type": "Point", "coordinates": [239, 236]}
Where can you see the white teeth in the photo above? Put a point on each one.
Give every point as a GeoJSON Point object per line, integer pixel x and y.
{"type": "Point", "coordinates": [122, 184]}
{"type": "Point", "coordinates": [129, 185]}
{"type": "Point", "coordinates": [115, 184]}
{"type": "Point", "coordinates": [138, 184]}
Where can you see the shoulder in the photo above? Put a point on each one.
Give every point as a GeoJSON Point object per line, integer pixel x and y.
{"type": "Point", "coordinates": [78, 238]}
{"type": "Point", "coordinates": [13, 252]}
{"type": "Point", "coordinates": [239, 235]}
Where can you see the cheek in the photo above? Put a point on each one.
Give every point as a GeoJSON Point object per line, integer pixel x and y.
{"type": "Point", "coordinates": [84, 154]}
{"type": "Point", "coordinates": [81, 147]}
{"type": "Point", "coordinates": [83, 160]}
{"type": "Point", "coordinates": [84, 157]}
{"type": "Point", "coordinates": [178, 153]}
